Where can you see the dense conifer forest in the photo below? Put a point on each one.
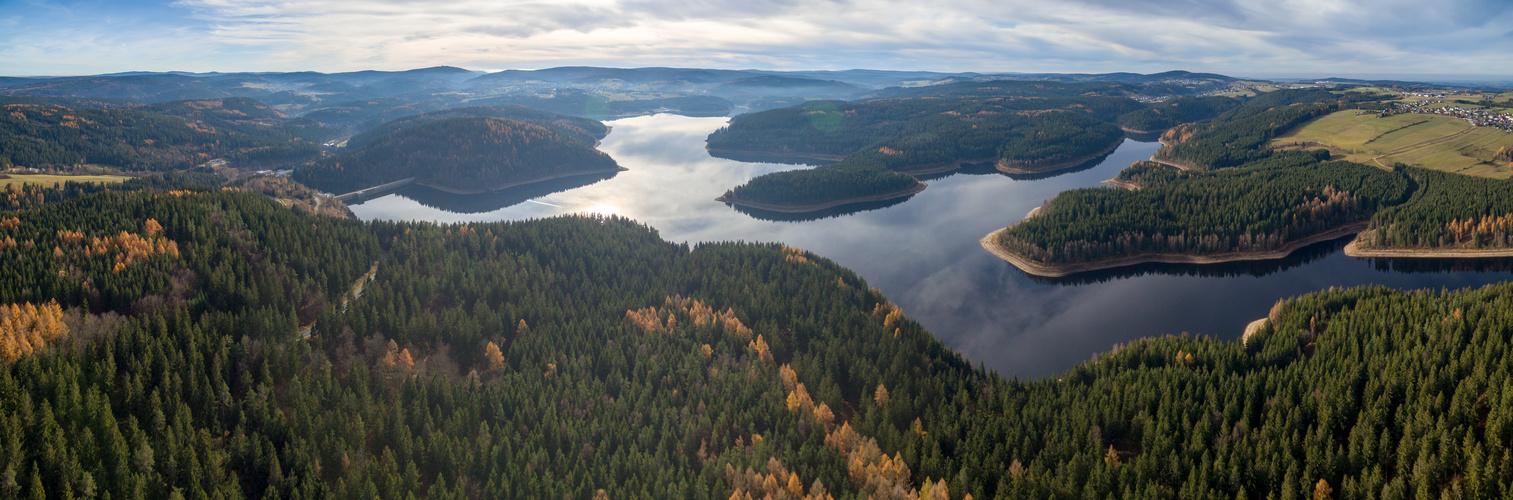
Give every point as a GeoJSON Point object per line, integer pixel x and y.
{"type": "Point", "coordinates": [1259, 207]}
{"type": "Point", "coordinates": [468, 150]}
{"type": "Point", "coordinates": [173, 340]}
{"type": "Point", "coordinates": [1164, 115]}
{"type": "Point", "coordinates": [1236, 137]}
{"type": "Point", "coordinates": [1449, 211]}
{"type": "Point", "coordinates": [166, 136]}
{"type": "Point", "coordinates": [581, 130]}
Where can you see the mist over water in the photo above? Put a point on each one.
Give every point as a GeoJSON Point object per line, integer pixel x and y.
{"type": "Point", "coordinates": [924, 254]}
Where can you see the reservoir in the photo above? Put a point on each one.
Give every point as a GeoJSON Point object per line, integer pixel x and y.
{"type": "Point", "coordinates": [923, 251]}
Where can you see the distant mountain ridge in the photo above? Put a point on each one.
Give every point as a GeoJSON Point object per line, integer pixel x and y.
{"type": "Point", "coordinates": [361, 99]}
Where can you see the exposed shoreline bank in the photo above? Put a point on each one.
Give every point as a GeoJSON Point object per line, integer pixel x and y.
{"type": "Point", "coordinates": [1354, 250]}
{"type": "Point", "coordinates": [1115, 182]}
{"type": "Point", "coordinates": [990, 243]}
{"type": "Point", "coordinates": [800, 209]}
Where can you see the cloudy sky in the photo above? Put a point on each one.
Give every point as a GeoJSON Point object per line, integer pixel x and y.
{"type": "Point", "coordinates": [1272, 38]}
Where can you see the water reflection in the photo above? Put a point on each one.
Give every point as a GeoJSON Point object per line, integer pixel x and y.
{"type": "Point", "coordinates": [1501, 265]}
{"type": "Point", "coordinates": [1144, 137]}
{"type": "Point", "coordinates": [843, 210]}
{"type": "Point", "coordinates": [1254, 268]}
{"type": "Point", "coordinates": [923, 253]}
{"type": "Point", "coordinates": [495, 200]}
{"type": "Point", "coordinates": [749, 157]}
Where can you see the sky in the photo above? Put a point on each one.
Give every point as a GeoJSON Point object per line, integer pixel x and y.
{"type": "Point", "coordinates": [1263, 38]}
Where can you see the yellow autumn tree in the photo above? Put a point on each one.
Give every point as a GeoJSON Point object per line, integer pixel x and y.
{"type": "Point", "coordinates": [26, 328]}
{"type": "Point", "coordinates": [823, 415]}
{"type": "Point", "coordinates": [880, 396]}
{"type": "Point", "coordinates": [151, 228]}
{"type": "Point", "coordinates": [789, 377]}
{"type": "Point", "coordinates": [760, 346]}
{"type": "Point", "coordinates": [494, 356]}
{"type": "Point", "coordinates": [1322, 491]}
{"type": "Point", "coordinates": [391, 355]}
{"type": "Point", "coordinates": [893, 318]}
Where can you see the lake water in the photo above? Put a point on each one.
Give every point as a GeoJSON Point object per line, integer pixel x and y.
{"type": "Point", "coordinates": [923, 252]}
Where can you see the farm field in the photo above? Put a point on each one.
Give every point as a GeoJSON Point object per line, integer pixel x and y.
{"type": "Point", "coordinates": [1430, 141]}
{"type": "Point", "coordinates": [53, 180]}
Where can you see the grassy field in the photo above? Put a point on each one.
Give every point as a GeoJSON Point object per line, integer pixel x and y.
{"type": "Point", "coordinates": [53, 180]}
{"type": "Point", "coordinates": [1429, 141]}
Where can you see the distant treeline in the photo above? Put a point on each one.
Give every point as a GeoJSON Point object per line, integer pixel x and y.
{"type": "Point", "coordinates": [166, 136]}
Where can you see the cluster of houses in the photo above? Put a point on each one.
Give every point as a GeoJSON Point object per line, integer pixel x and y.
{"type": "Point", "coordinates": [1476, 117]}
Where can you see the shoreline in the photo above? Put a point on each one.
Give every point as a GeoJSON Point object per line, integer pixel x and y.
{"type": "Point", "coordinates": [1115, 182]}
{"type": "Point", "coordinates": [1178, 166]}
{"type": "Point", "coordinates": [1251, 328]}
{"type": "Point", "coordinates": [990, 243]}
{"type": "Point", "coordinates": [1014, 168]}
{"type": "Point", "coordinates": [775, 156]}
{"type": "Point", "coordinates": [1000, 164]}
{"type": "Point", "coordinates": [800, 209]}
{"type": "Point", "coordinates": [1143, 132]}
{"type": "Point", "coordinates": [517, 184]}
{"type": "Point", "coordinates": [1354, 249]}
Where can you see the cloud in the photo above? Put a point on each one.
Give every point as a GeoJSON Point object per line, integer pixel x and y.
{"type": "Point", "coordinates": [1231, 36]}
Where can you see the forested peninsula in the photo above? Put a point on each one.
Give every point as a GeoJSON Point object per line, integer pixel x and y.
{"type": "Point", "coordinates": [1213, 193]}
{"type": "Point", "coordinates": [170, 338]}
{"type": "Point", "coordinates": [466, 151]}
{"type": "Point", "coordinates": [1263, 210]}
{"type": "Point", "coordinates": [1019, 127]}
{"type": "Point", "coordinates": [1450, 216]}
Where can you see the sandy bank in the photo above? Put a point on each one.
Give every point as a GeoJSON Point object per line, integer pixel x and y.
{"type": "Point", "coordinates": [1121, 184]}
{"type": "Point", "coordinates": [1252, 328]}
{"type": "Point", "coordinates": [1354, 250]}
{"type": "Point", "coordinates": [990, 242]}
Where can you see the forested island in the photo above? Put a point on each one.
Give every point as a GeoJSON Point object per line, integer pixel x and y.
{"type": "Point", "coordinates": [1020, 128]}
{"type": "Point", "coordinates": [171, 338]}
{"type": "Point", "coordinates": [465, 151]}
